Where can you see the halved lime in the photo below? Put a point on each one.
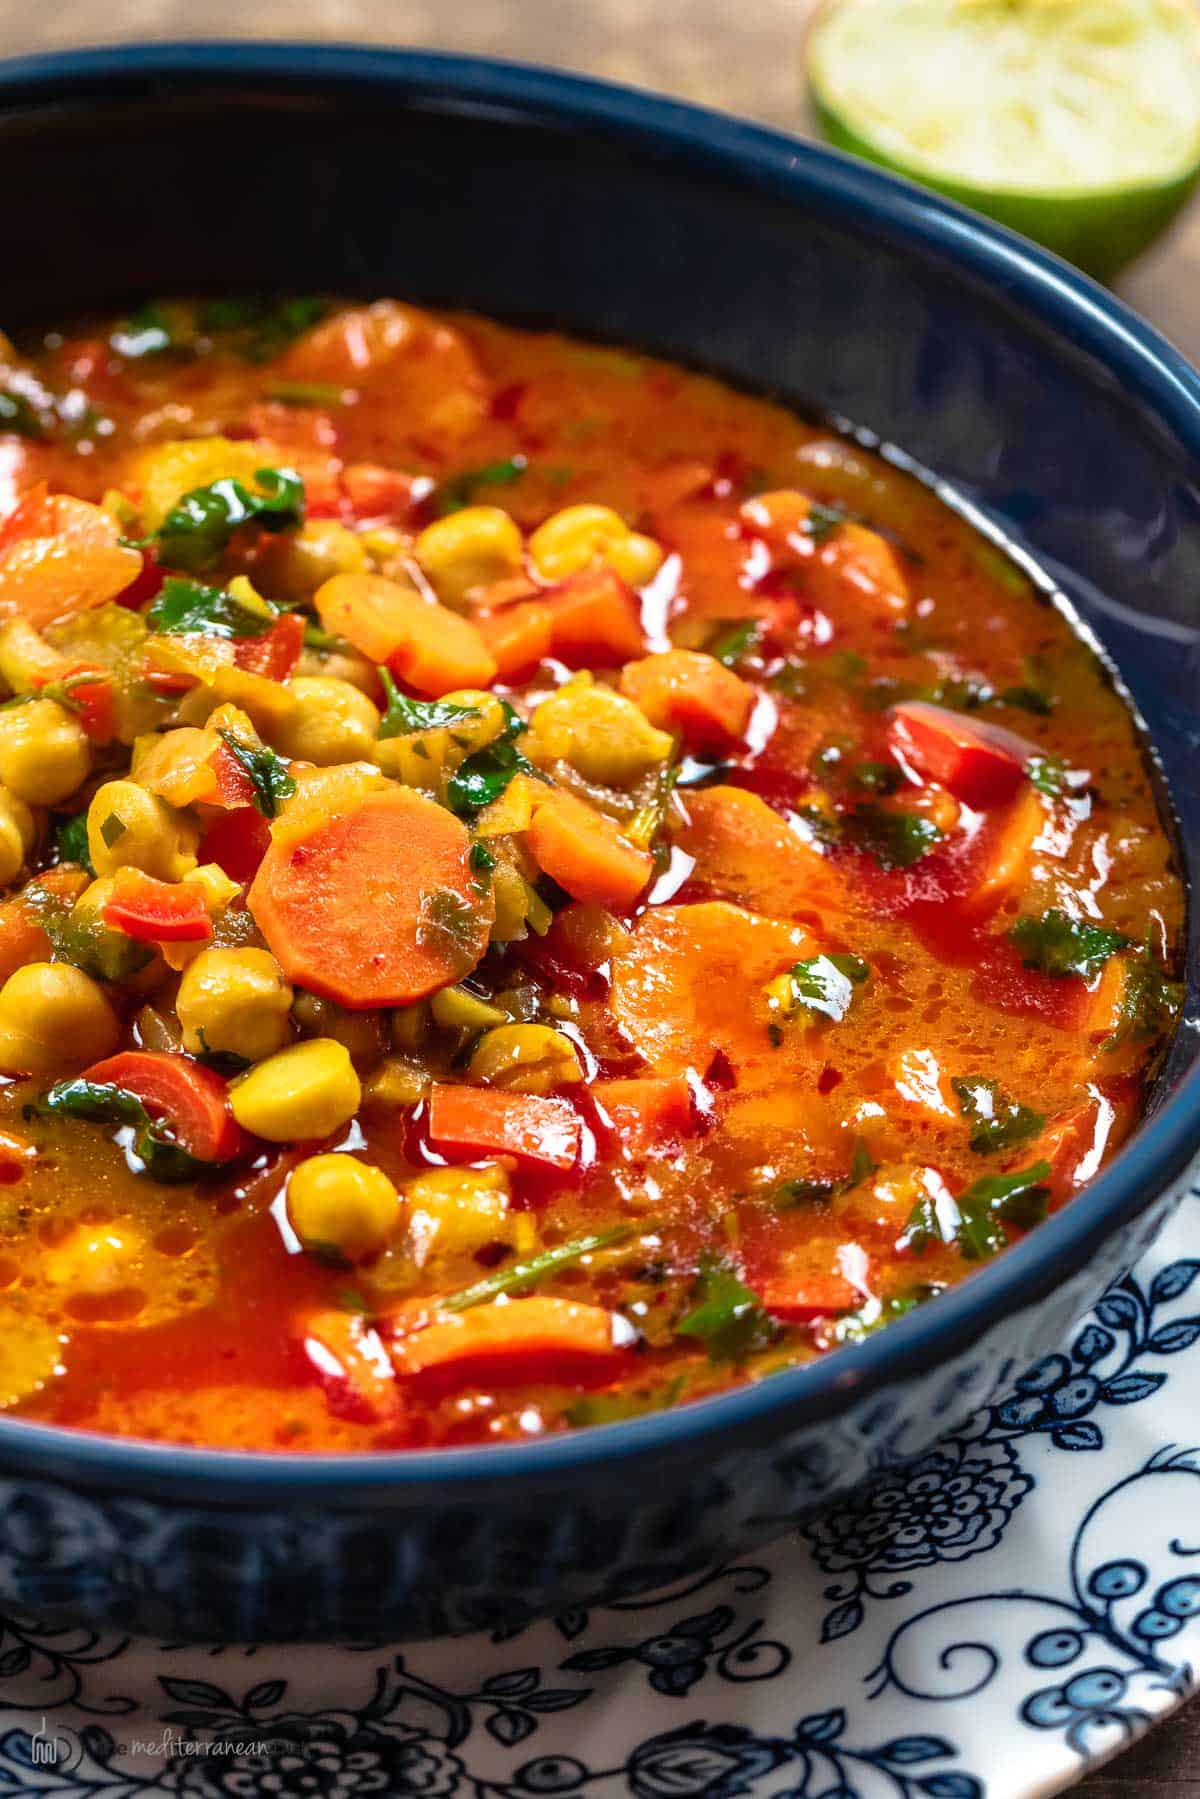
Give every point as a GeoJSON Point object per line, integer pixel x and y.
{"type": "Point", "coordinates": [1076, 122]}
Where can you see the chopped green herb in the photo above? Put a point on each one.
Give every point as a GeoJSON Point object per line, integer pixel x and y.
{"type": "Point", "coordinates": [267, 773]}
{"type": "Point", "coordinates": [1149, 1005]}
{"type": "Point", "coordinates": [647, 822]}
{"type": "Point", "coordinates": [482, 859]}
{"type": "Point", "coordinates": [63, 692]}
{"type": "Point", "coordinates": [876, 1313]}
{"type": "Point", "coordinates": [87, 942]}
{"type": "Point", "coordinates": [802, 1191]}
{"type": "Point", "coordinates": [877, 777]}
{"type": "Point", "coordinates": [1029, 699]}
{"type": "Point", "coordinates": [1059, 945]}
{"type": "Point", "coordinates": [349, 1299]}
{"type": "Point", "coordinates": [153, 331]}
{"type": "Point", "coordinates": [733, 642]}
{"type": "Point", "coordinates": [995, 1200]}
{"type": "Point", "coordinates": [540, 1267]}
{"type": "Point", "coordinates": [183, 606]}
{"type": "Point", "coordinates": [197, 529]}
{"type": "Point", "coordinates": [483, 775]}
{"type": "Point", "coordinates": [455, 493]}
{"type": "Point", "coordinates": [306, 393]}
{"type": "Point", "coordinates": [1048, 774]}
{"type": "Point", "coordinates": [71, 838]}
{"type": "Point", "coordinates": [613, 1408]}
{"type": "Point", "coordinates": [112, 829]}
{"type": "Point", "coordinates": [822, 984]}
{"type": "Point", "coordinates": [404, 716]}
{"type": "Point", "coordinates": [820, 522]}
{"type": "Point", "coordinates": [260, 329]}
{"type": "Point", "coordinates": [998, 1121]}
{"type": "Point", "coordinates": [895, 839]}
{"type": "Point", "coordinates": [726, 1315]}
{"type": "Point", "coordinates": [19, 416]}
{"type": "Point", "coordinates": [162, 1158]}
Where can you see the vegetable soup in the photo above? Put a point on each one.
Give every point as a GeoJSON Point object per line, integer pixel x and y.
{"type": "Point", "coordinates": [538, 887]}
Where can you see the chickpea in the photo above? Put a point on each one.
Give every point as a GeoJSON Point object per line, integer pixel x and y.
{"type": "Point", "coordinates": [130, 828]}
{"type": "Point", "coordinates": [17, 833]}
{"type": "Point", "coordinates": [421, 758]}
{"type": "Point", "coordinates": [396, 1082]}
{"type": "Point", "coordinates": [525, 1058]}
{"type": "Point", "coordinates": [321, 548]}
{"type": "Point", "coordinates": [234, 1000]}
{"type": "Point", "coordinates": [342, 1209]}
{"type": "Point", "coordinates": [333, 722]}
{"type": "Point", "coordinates": [53, 1016]}
{"type": "Point", "coordinates": [44, 752]}
{"type": "Point", "coordinates": [307, 1090]}
{"type": "Point", "coordinates": [578, 536]}
{"type": "Point", "coordinates": [599, 732]}
{"type": "Point", "coordinates": [361, 1032]}
{"type": "Point", "coordinates": [457, 1211]}
{"type": "Point", "coordinates": [469, 549]}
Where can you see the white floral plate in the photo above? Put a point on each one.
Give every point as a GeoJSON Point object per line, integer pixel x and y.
{"type": "Point", "coordinates": [993, 1620]}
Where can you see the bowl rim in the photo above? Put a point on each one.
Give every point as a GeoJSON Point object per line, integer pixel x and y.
{"type": "Point", "coordinates": [1032, 281]}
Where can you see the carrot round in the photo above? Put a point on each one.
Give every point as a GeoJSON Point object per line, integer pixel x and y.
{"type": "Point", "coordinates": [428, 646]}
{"type": "Point", "coordinates": [378, 906]}
{"type": "Point", "coordinates": [585, 853]}
{"type": "Point", "coordinates": [484, 1121]}
{"type": "Point", "coordinates": [512, 1333]}
{"type": "Point", "coordinates": [191, 1098]}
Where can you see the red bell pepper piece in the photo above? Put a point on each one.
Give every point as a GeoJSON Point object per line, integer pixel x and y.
{"type": "Point", "coordinates": [237, 841]}
{"type": "Point", "coordinates": [190, 1098]}
{"type": "Point", "coordinates": [983, 765]}
{"type": "Point", "coordinates": [91, 694]}
{"type": "Point", "coordinates": [484, 1121]}
{"type": "Point", "coordinates": [156, 911]}
{"type": "Point", "coordinates": [276, 652]}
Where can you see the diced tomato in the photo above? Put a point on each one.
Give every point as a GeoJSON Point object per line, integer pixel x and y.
{"type": "Point", "coordinates": [237, 841]}
{"type": "Point", "coordinates": [144, 587]}
{"type": "Point", "coordinates": [276, 652]}
{"type": "Point", "coordinates": [156, 911]}
{"type": "Point", "coordinates": [374, 492]}
{"type": "Point", "coordinates": [981, 764]}
{"type": "Point", "coordinates": [352, 1364]}
{"type": "Point", "coordinates": [483, 1121]}
{"type": "Point", "coordinates": [234, 787]}
{"type": "Point", "coordinates": [645, 1111]}
{"type": "Point", "coordinates": [803, 1298]}
{"type": "Point", "coordinates": [189, 1097]}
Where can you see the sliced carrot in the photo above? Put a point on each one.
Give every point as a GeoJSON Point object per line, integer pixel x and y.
{"type": "Point", "coordinates": [742, 850]}
{"type": "Point", "coordinates": [276, 653]}
{"type": "Point", "coordinates": [1007, 849]}
{"type": "Point", "coordinates": [518, 636]}
{"type": "Point", "coordinates": [60, 556]}
{"type": "Point", "coordinates": [156, 911]}
{"type": "Point", "coordinates": [485, 1121]}
{"type": "Point", "coordinates": [378, 906]}
{"type": "Point", "coordinates": [351, 1362]}
{"type": "Point", "coordinates": [237, 841]}
{"type": "Point", "coordinates": [858, 565]}
{"type": "Point", "coordinates": [779, 518]}
{"type": "Point", "coordinates": [512, 1333]}
{"type": "Point", "coordinates": [425, 644]}
{"type": "Point", "coordinates": [594, 618]}
{"type": "Point", "coordinates": [693, 694]}
{"type": "Point", "coordinates": [982, 764]}
{"type": "Point", "coordinates": [803, 1298]}
{"type": "Point", "coordinates": [189, 1097]}
{"type": "Point", "coordinates": [585, 853]}
{"type": "Point", "coordinates": [644, 1111]}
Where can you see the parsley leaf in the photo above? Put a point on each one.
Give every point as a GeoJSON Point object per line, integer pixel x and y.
{"type": "Point", "coordinates": [197, 529]}
{"type": "Point", "coordinates": [71, 839]}
{"type": "Point", "coordinates": [822, 984]}
{"type": "Point", "coordinates": [404, 716]}
{"type": "Point", "coordinates": [1059, 945]}
{"type": "Point", "coordinates": [520, 1275]}
{"type": "Point", "coordinates": [820, 522]}
{"type": "Point", "coordinates": [895, 839]}
{"type": "Point", "coordinates": [735, 641]}
{"type": "Point", "coordinates": [612, 1408]}
{"type": "Point", "coordinates": [258, 329]}
{"type": "Point", "coordinates": [483, 775]}
{"type": "Point", "coordinates": [726, 1315]}
{"type": "Point", "coordinates": [183, 606]}
{"type": "Point", "coordinates": [267, 773]}
{"type": "Point", "coordinates": [153, 331]}
{"type": "Point", "coordinates": [455, 493]}
{"type": "Point", "coordinates": [872, 1317]}
{"type": "Point", "coordinates": [87, 942]}
{"type": "Point", "coordinates": [803, 1191]}
{"type": "Point", "coordinates": [1149, 1005]}
{"type": "Point", "coordinates": [163, 1158]}
{"type": "Point", "coordinates": [877, 777]}
{"type": "Point", "coordinates": [998, 1121]}
{"type": "Point", "coordinates": [984, 1208]}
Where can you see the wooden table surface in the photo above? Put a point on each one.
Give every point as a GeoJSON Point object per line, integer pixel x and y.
{"type": "Point", "coordinates": [741, 58]}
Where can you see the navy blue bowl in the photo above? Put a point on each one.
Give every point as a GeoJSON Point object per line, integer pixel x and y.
{"type": "Point", "coordinates": [1035, 395]}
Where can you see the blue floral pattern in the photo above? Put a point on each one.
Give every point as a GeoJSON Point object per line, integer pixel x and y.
{"type": "Point", "coordinates": [970, 1625]}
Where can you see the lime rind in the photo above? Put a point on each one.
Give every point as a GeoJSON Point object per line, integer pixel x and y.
{"type": "Point", "coordinates": [1091, 192]}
